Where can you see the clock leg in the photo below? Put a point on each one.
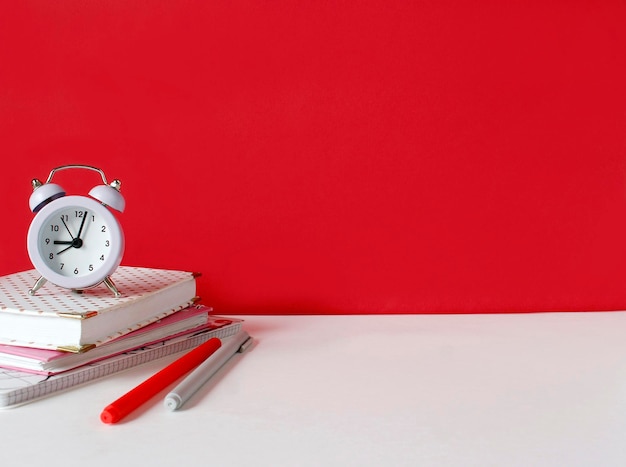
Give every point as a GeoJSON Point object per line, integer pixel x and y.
{"type": "Point", "coordinates": [38, 284]}
{"type": "Point", "coordinates": [111, 286]}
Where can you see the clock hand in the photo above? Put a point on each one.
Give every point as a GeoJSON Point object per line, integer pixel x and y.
{"type": "Point", "coordinates": [65, 249]}
{"type": "Point", "coordinates": [76, 241]}
{"type": "Point", "coordinates": [80, 230]}
{"type": "Point", "coordinates": [68, 229]}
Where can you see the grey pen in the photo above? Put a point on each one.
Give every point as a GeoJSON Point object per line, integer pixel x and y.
{"type": "Point", "coordinates": [194, 381]}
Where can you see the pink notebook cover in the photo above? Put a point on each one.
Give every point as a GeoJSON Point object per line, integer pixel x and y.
{"type": "Point", "coordinates": [183, 322]}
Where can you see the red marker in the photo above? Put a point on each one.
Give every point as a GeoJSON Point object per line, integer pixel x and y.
{"type": "Point", "coordinates": [114, 412]}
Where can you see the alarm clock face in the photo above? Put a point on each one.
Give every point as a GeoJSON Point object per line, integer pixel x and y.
{"type": "Point", "coordinates": [75, 242]}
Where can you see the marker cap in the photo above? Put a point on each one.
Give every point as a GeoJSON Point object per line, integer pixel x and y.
{"type": "Point", "coordinates": [110, 415]}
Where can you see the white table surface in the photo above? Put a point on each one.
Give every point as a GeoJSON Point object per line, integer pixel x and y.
{"type": "Point", "coordinates": [392, 390]}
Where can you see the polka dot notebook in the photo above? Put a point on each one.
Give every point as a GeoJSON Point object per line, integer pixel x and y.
{"type": "Point", "coordinates": [61, 319]}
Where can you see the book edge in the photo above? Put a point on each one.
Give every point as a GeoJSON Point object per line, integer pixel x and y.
{"type": "Point", "coordinates": [91, 372]}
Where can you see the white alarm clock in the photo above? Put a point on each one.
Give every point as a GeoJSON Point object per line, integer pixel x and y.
{"type": "Point", "coordinates": [75, 241]}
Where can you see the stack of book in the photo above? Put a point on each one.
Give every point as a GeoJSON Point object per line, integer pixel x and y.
{"type": "Point", "coordinates": [59, 338]}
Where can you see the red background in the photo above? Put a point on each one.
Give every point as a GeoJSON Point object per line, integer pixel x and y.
{"type": "Point", "coordinates": [335, 157]}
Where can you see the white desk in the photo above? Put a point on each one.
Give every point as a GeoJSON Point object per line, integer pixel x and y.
{"type": "Point", "coordinates": [536, 389]}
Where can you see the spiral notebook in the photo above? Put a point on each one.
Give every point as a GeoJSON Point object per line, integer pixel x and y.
{"type": "Point", "coordinates": [19, 387]}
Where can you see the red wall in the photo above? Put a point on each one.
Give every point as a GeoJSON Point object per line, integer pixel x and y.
{"type": "Point", "coordinates": [353, 157]}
